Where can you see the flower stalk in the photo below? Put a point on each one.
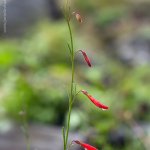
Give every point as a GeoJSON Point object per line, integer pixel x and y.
{"type": "Point", "coordinates": [71, 93]}
{"type": "Point", "coordinates": [25, 127]}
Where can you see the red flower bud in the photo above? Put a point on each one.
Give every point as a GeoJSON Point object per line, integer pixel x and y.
{"type": "Point", "coordinates": [85, 146]}
{"type": "Point", "coordinates": [94, 101]}
{"type": "Point", "coordinates": [86, 58]}
{"type": "Point", "coordinates": [78, 17]}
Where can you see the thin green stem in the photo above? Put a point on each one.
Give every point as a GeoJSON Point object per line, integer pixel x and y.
{"type": "Point", "coordinates": [26, 133]}
{"type": "Point", "coordinates": [72, 92]}
{"type": "Point", "coordinates": [72, 85]}
{"type": "Point", "coordinates": [75, 96]}
{"type": "Point", "coordinates": [25, 126]}
{"type": "Point", "coordinates": [28, 144]}
{"type": "Point", "coordinates": [63, 133]}
{"type": "Point", "coordinates": [71, 39]}
{"type": "Point", "coordinates": [68, 124]}
{"type": "Point", "coordinates": [72, 80]}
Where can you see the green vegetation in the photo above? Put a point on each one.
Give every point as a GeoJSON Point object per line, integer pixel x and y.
{"type": "Point", "coordinates": [35, 70]}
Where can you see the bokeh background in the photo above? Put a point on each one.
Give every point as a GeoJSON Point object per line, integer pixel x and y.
{"type": "Point", "coordinates": [35, 73]}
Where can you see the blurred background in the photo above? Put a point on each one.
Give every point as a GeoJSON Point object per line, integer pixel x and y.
{"type": "Point", "coordinates": [35, 73]}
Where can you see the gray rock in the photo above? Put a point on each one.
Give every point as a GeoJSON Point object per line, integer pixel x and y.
{"type": "Point", "coordinates": [41, 138]}
{"type": "Point", "coordinates": [23, 14]}
{"type": "Point", "coordinates": [134, 50]}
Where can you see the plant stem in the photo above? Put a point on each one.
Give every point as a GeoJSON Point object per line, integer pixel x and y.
{"type": "Point", "coordinates": [68, 124]}
{"type": "Point", "coordinates": [25, 124]}
{"type": "Point", "coordinates": [63, 133]}
{"type": "Point", "coordinates": [71, 87]}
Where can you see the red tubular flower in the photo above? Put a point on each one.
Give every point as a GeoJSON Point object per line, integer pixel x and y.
{"type": "Point", "coordinates": [94, 101]}
{"type": "Point", "coordinates": [85, 146]}
{"type": "Point", "coordinates": [78, 17]}
{"type": "Point", "coordinates": [86, 58]}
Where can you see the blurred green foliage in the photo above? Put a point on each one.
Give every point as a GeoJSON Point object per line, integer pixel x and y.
{"type": "Point", "coordinates": [35, 72]}
{"type": "Point", "coordinates": [31, 74]}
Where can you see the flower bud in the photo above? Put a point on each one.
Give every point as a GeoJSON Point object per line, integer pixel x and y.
{"type": "Point", "coordinates": [84, 145]}
{"type": "Point", "coordinates": [95, 101]}
{"type": "Point", "coordinates": [86, 58]}
{"type": "Point", "coordinates": [78, 17]}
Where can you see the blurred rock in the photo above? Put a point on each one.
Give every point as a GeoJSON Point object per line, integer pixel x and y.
{"type": "Point", "coordinates": [41, 138]}
{"type": "Point", "coordinates": [141, 131]}
{"type": "Point", "coordinates": [127, 37]}
{"type": "Point", "coordinates": [117, 138]}
{"type": "Point", "coordinates": [134, 50]}
{"type": "Point", "coordinates": [20, 15]}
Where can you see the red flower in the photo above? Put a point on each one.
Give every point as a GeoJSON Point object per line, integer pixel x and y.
{"type": "Point", "coordinates": [85, 146]}
{"type": "Point", "coordinates": [78, 17]}
{"type": "Point", "coordinates": [93, 100]}
{"type": "Point", "coordinates": [86, 58]}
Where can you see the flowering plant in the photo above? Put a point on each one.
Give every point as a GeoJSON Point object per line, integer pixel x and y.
{"type": "Point", "coordinates": [72, 92]}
